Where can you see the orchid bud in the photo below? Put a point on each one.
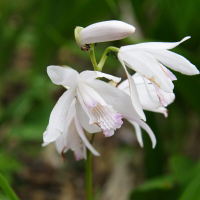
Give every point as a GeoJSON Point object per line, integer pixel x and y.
{"type": "Point", "coordinates": [102, 32]}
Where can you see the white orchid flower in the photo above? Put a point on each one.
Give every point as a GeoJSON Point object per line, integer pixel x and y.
{"type": "Point", "coordinates": [146, 59]}
{"type": "Point", "coordinates": [99, 106]}
{"type": "Point", "coordinates": [151, 97]}
{"type": "Point", "coordinates": [99, 114]}
{"type": "Point", "coordinates": [102, 32]}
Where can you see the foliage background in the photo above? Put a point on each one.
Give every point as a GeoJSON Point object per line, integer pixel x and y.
{"type": "Point", "coordinates": [35, 34]}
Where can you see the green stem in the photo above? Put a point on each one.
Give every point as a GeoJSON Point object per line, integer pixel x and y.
{"type": "Point", "coordinates": [88, 174]}
{"type": "Point", "coordinates": [7, 189]}
{"type": "Point", "coordinates": [88, 162]}
{"type": "Point", "coordinates": [93, 59]}
{"type": "Point", "coordinates": [99, 67]}
{"type": "Point", "coordinates": [105, 55]}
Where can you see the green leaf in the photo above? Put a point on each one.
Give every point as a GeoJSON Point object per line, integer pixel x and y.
{"type": "Point", "coordinates": [193, 189]}
{"type": "Point", "coordinates": [163, 183]}
{"type": "Point", "coordinates": [180, 165]}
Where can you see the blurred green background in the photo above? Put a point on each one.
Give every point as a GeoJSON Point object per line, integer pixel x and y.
{"type": "Point", "coordinates": [35, 34]}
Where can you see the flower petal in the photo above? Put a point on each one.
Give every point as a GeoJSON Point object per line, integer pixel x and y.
{"type": "Point", "coordinates": [174, 61]}
{"type": "Point", "coordinates": [63, 76]}
{"type": "Point", "coordinates": [147, 66]}
{"type": "Point", "coordinates": [83, 137]}
{"type": "Point", "coordinates": [169, 73]}
{"type": "Point", "coordinates": [154, 45]}
{"type": "Point", "coordinates": [114, 97]}
{"type": "Point", "coordinates": [99, 112]}
{"type": "Point", "coordinates": [87, 92]}
{"type": "Point", "coordinates": [164, 97]}
{"type": "Point", "coordinates": [91, 75]}
{"type": "Point", "coordinates": [84, 119]}
{"type": "Point", "coordinates": [58, 116]}
{"type": "Point", "coordinates": [105, 31]}
{"type": "Point", "coordinates": [133, 92]}
{"type": "Point", "coordinates": [70, 140]}
{"type": "Point", "coordinates": [145, 127]}
{"type": "Point", "coordinates": [61, 142]}
{"type": "Point", "coordinates": [138, 132]}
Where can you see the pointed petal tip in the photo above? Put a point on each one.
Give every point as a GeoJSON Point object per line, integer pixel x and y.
{"type": "Point", "coordinates": [141, 145]}
{"type": "Point", "coordinates": [44, 144]}
{"type": "Point", "coordinates": [186, 38]}
{"type": "Point", "coordinates": [97, 154]}
{"type": "Point", "coordinates": [154, 142]}
{"type": "Point", "coordinates": [143, 117]}
{"type": "Point", "coordinates": [49, 137]}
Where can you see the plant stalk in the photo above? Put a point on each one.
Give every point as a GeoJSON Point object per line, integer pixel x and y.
{"type": "Point", "coordinates": [88, 174]}
{"type": "Point", "coordinates": [7, 188]}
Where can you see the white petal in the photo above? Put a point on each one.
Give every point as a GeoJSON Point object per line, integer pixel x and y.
{"type": "Point", "coordinates": [99, 112]}
{"type": "Point", "coordinates": [44, 144]}
{"type": "Point", "coordinates": [84, 119]}
{"type": "Point", "coordinates": [138, 132]}
{"type": "Point", "coordinates": [83, 137]}
{"type": "Point", "coordinates": [155, 45]}
{"type": "Point", "coordinates": [147, 66]}
{"type": "Point", "coordinates": [115, 97]}
{"type": "Point", "coordinates": [91, 75]}
{"type": "Point", "coordinates": [133, 92]}
{"type": "Point", "coordinates": [123, 85]}
{"type": "Point", "coordinates": [61, 142]}
{"type": "Point", "coordinates": [147, 93]}
{"type": "Point", "coordinates": [151, 92]}
{"type": "Point", "coordinates": [58, 116]}
{"type": "Point", "coordinates": [63, 76]}
{"type": "Point", "coordinates": [169, 73]}
{"type": "Point", "coordinates": [89, 94]}
{"type": "Point", "coordinates": [70, 140]}
{"type": "Point", "coordinates": [164, 97]}
{"type": "Point", "coordinates": [145, 127]}
{"type": "Point", "coordinates": [175, 61]}
{"type": "Point", "coordinates": [105, 31]}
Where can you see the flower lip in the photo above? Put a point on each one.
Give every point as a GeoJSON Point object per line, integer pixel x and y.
{"type": "Point", "coordinates": [105, 31]}
{"type": "Point", "coordinates": [99, 112]}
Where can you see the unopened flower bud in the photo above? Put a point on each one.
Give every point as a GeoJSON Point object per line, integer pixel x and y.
{"type": "Point", "coordinates": [102, 32]}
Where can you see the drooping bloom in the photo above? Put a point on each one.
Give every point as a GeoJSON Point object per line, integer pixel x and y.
{"type": "Point", "coordinates": [99, 106]}
{"type": "Point", "coordinates": [101, 115]}
{"type": "Point", "coordinates": [147, 59]}
{"type": "Point", "coordinates": [151, 97]}
{"type": "Point", "coordinates": [102, 32]}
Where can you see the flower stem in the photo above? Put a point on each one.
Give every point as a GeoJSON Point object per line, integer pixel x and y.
{"type": "Point", "coordinates": [7, 189]}
{"type": "Point", "coordinates": [105, 55]}
{"type": "Point", "coordinates": [93, 59]}
{"type": "Point", "coordinates": [88, 174]}
{"type": "Point", "coordinates": [99, 67]}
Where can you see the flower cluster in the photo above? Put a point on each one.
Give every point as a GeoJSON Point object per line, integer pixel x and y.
{"type": "Point", "coordinates": [93, 105]}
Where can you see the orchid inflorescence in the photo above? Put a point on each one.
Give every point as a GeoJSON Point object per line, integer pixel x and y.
{"type": "Point", "coordinates": [92, 105]}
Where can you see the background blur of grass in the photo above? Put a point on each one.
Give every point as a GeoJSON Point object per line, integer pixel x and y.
{"type": "Point", "coordinates": [35, 34]}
